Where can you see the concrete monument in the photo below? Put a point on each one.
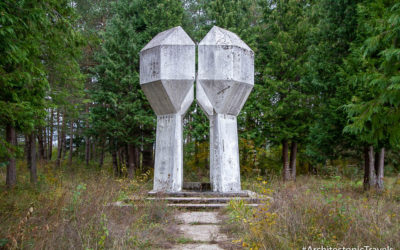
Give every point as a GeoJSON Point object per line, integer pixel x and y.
{"type": "Point", "coordinates": [224, 82]}
{"type": "Point", "coordinates": [167, 73]}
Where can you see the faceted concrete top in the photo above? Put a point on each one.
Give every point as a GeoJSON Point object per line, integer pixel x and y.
{"type": "Point", "coordinates": [174, 36]}
{"type": "Point", "coordinates": [167, 71]}
{"type": "Point", "coordinates": [226, 72]}
{"type": "Point", "coordinates": [220, 36]}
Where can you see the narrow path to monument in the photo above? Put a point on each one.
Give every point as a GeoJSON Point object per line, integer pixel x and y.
{"type": "Point", "coordinates": [199, 230]}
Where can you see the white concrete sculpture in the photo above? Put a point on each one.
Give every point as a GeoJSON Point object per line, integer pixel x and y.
{"type": "Point", "coordinates": [224, 82]}
{"type": "Point", "coordinates": [167, 73]}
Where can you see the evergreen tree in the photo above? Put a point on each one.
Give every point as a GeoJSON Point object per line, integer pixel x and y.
{"type": "Point", "coordinates": [283, 97]}
{"type": "Point", "coordinates": [121, 111]}
{"type": "Point", "coordinates": [334, 28]}
{"type": "Point", "coordinates": [30, 32]}
{"type": "Point", "coordinates": [373, 70]}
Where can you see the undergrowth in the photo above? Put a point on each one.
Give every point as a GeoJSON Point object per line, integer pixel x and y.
{"type": "Point", "coordinates": [72, 208]}
{"type": "Point", "coordinates": [317, 212]}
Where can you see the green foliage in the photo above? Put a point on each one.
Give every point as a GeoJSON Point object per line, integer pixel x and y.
{"type": "Point", "coordinates": [103, 233]}
{"type": "Point", "coordinates": [76, 200]}
{"type": "Point", "coordinates": [333, 28]}
{"type": "Point", "coordinates": [22, 78]}
{"type": "Point", "coordinates": [3, 242]}
{"type": "Point", "coordinates": [285, 104]}
{"type": "Point", "coordinates": [373, 69]}
{"type": "Point", "coordinates": [39, 48]}
{"type": "Point", "coordinates": [121, 111]}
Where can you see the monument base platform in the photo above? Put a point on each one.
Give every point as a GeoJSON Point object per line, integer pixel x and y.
{"type": "Point", "coordinates": [202, 189]}
{"type": "Point", "coordinates": [244, 193]}
{"type": "Point", "coordinates": [197, 199]}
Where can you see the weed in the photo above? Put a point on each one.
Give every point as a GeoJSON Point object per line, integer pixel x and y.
{"type": "Point", "coordinates": [183, 240]}
{"type": "Point", "coordinates": [315, 212]}
{"type": "Point", "coordinates": [70, 212]}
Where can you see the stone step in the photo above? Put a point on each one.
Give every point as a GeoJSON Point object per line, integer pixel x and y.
{"type": "Point", "coordinates": [198, 217]}
{"type": "Point", "coordinates": [208, 200]}
{"type": "Point", "coordinates": [205, 206]}
{"type": "Point", "coordinates": [203, 233]}
{"type": "Point", "coordinates": [196, 186]}
{"type": "Point", "coordinates": [197, 246]}
{"type": "Point", "coordinates": [198, 194]}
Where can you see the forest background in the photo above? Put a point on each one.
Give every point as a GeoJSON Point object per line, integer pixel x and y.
{"type": "Point", "coordinates": [326, 99]}
{"type": "Point", "coordinates": [327, 88]}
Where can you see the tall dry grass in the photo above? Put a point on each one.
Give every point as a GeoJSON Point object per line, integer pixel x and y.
{"type": "Point", "coordinates": [316, 212]}
{"type": "Point", "coordinates": [71, 209]}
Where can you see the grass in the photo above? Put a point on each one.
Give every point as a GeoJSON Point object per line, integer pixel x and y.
{"type": "Point", "coordinates": [183, 240]}
{"type": "Point", "coordinates": [317, 212]}
{"type": "Point", "coordinates": [69, 209]}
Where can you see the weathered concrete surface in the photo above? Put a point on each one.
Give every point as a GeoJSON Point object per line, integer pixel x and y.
{"type": "Point", "coordinates": [243, 193]}
{"type": "Point", "coordinates": [197, 186]}
{"type": "Point", "coordinates": [224, 82]}
{"type": "Point", "coordinates": [167, 73]}
{"type": "Point", "coordinates": [198, 247]}
{"type": "Point", "coordinates": [201, 227]}
{"type": "Point", "coordinates": [207, 233]}
{"type": "Point", "coordinates": [168, 170]}
{"type": "Point", "coordinates": [205, 205]}
{"type": "Point", "coordinates": [198, 217]}
{"type": "Point", "coordinates": [225, 153]}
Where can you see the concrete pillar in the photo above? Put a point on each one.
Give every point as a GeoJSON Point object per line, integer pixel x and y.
{"type": "Point", "coordinates": [169, 153]}
{"type": "Point", "coordinates": [224, 82]}
{"type": "Point", "coordinates": [167, 73]}
{"type": "Point", "coordinates": [225, 153]}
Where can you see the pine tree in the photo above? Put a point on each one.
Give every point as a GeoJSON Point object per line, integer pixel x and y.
{"type": "Point", "coordinates": [373, 69]}
{"type": "Point", "coordinates": [334, 24]}
{"type": "Point", "coordinates": [121, 111]}
{"type": "Point", "coordinates": [31, 34]}
{"type": "Point", "coordinates": [283, 97]}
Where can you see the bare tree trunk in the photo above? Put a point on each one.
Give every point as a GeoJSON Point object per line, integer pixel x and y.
{"type": "Point", "coordinates": [293, 157]}
{"type": "Point", "coordinates": [121, 160]}
{"type": "Point", "coordinates": [101, 159]}
{"type": "Point", "coordinates": [196, 152]}
{"type": "Point", "coordinates": [93, 150]}
{"type": "Point", "coordinates": [366, 168]}
{"type": "Point", "coordinates": [11, 178]}
{"type": "Point", "coordinates": [376, 164]}
{"type": "Point", "coordinates": [51, 135]}
{"type": "Point", "coordinates": [371, 167]}
{"type": "Point", "coordinates": [147, 155]}
{"type": "Point", "coordinates": [87, 145]}
{"type": "Point", "coordinates": [131, 161]}
{"type": "Point", "coordinates": [58, 130]}
{"type": "Point", "coordinates": [87, 151]}
{"type": "Point", "coordinates": [61, 140]}
{"type": "Point", "coordinates": [44, 133]}
{"type": "Point", "coordinates": [125, 153]}
{"type": "Point", "coordinates": [137, 157]}
{"type": "Point", "coordinates": [285, 160]}
{"type": "Point", "coordinates": [64, 138]}
{"type": "Point", "coordinates": [32, 157]}
{"type": "Point", "coordinates": [28, 150]}
{"type": "Point", "coordinates": [40, 143]}
{"type": "Point", "coordinates": [115, 161]}
{"type": "Point", "coordinates": [380, 170]}
{"type": "Point", "coordinates": [71, 142]}
{"type": "Point", "coordinates": [78, 133]}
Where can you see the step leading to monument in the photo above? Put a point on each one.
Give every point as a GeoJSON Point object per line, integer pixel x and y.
{"type": "Point", "coordinates": [206, 206]}
{"type": "Point", "coordinates": [207, 200]}
{"type": "Point", "coordinates": [199, 194]}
